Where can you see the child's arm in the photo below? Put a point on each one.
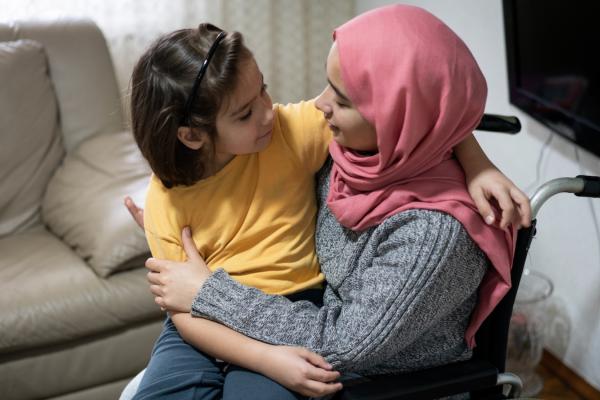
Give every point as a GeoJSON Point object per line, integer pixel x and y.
{"type": "Point", "coordinates": [296, 368]}
{"type": "Point", "coordinates": [485, 182]}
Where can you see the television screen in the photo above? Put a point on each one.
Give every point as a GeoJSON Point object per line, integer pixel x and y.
{"type": "Point", "coordinates": [553, 54]}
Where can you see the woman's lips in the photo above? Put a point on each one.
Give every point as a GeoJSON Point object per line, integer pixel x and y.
{"type": "Point", "coordinates": [333, 128]}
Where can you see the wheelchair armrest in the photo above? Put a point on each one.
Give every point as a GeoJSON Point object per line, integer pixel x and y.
{"type": "Point", "coordinates": [460, 377]}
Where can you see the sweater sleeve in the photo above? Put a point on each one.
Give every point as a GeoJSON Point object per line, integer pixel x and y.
{"type": "Point", "coordinates": [423, 267]}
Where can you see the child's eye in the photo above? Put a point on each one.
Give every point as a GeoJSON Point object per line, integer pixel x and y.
{"type": "Point", "coordinates": [246, 116]}
{"type": "Point", "coordinates": [341, 105]}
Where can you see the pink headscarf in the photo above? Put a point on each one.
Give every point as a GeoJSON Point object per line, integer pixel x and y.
{"type": "Point", "coordinates": [415, 80]}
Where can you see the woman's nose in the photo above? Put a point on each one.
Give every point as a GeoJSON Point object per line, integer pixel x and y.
{"type": "Point", "coordinates": [322, 102]}
{"type": "Point", "coordinates": [269, 115]}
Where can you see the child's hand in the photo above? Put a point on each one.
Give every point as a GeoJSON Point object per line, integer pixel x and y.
{"type": "Point", "coordinates": [492, 185]}
{"type": "Point", "coordinates": [175, 284]}
{"type": "Point", "coordinates": [300, 370]}
{"type": "Point", "coordinates": [136, 212]}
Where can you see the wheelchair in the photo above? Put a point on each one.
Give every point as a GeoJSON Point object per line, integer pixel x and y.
{"type": "Point", "coordinates": [484, 375]}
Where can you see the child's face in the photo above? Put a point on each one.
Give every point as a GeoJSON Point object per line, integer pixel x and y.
{"type": "Point", "coordinates": [245, 122]}
{"type": "Point", "coordinates": [349, 127]}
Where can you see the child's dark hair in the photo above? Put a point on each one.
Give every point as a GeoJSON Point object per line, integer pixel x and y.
{"type": "Point", "coordinates": [161, 83]}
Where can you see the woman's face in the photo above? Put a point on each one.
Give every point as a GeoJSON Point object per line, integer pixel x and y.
{"type": "Point", "coordinates": [349, 128]}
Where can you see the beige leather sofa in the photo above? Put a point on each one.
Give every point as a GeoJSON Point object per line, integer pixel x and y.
{"type": "Point", "coordinates": [76, 318]}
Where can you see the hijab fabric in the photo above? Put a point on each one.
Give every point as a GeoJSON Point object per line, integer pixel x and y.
{"type": "Point", "coordinates": [417, 83]}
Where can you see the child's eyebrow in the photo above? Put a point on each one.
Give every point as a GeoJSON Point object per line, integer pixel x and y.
{"type": "Point", "coordinates": [242, 108]}
{"type": "Point", "coordinates": [338, 92]}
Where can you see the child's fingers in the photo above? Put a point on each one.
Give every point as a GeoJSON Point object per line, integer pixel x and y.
{"type": "Point", "coordinates": [189, 246]}
{"type": "Point", "coordinates": [136, 212]}
{"type": "Point", "coordinates": [317, 360]}
{"type": "Point", "coordinates": [161, 302]}
{"type": "Point", "coordinates": [322, 375]}
{"type": "Point", "coordinates": [523, 205]}
{"type": "Point", "coordinates": [506, 205]}
{"type": "Point", "coordinates": [154, 264]}
{"type": "Point", "coordinates": [139, 218]}
{"type": "Point", "coordinates": [156, 290]}
{"type": "Point", "coordinates": [153, 278]}
{"type": "Point", "coordinates": [485, 208]}
{"type": "Point", "coordinates": [130, 205]}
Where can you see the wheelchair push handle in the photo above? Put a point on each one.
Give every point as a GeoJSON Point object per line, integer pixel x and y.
{"type": "Point", "coordinates": [591, 186]}
{"type": "Point", "coordinates": [581, 185]}
{"type": "Point", "coordinates": [499, 123]}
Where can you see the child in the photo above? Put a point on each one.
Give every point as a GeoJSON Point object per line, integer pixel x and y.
{"type": "Point", "coordinates": [237, 170]}
{"type": "Point", "coordinates": [240, 173]}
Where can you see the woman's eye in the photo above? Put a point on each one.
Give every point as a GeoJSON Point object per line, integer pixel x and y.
{"type": "Point", "coordinates": [264, 88]}
{"type": "Point", "coordinates": [246, 116]}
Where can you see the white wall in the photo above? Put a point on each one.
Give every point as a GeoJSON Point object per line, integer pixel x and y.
{"type": "Point", "coordinates": [567, 244]}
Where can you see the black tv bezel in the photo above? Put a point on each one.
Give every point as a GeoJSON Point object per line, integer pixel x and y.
{"type": "Point", "coordinates": [583, 135]}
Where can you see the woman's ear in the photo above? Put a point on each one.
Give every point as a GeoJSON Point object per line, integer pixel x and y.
{"type": "Point", "coordinates": [193, 140]}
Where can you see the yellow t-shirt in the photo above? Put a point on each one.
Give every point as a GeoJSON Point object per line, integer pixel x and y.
{"type": "Point", "coordinates": [256, 217]}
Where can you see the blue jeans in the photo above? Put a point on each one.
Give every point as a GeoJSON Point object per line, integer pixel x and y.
{"type": "Point", "coordinates": [179, 371]}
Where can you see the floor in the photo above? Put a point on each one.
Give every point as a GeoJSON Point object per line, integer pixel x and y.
{"type": "Point", "coordinates": [554, 388]}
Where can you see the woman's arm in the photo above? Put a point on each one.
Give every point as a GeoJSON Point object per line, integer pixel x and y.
{"type": "Point", "coordinates": [295, 368]}
{"type": "Point", "coordinates": [485, 183]}
{"type": "Point", "coordinates": [418, 276]}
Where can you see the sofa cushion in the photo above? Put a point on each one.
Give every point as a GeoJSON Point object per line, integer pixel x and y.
{"type": "Point", "coordinates": [84, 201]}
{"type": "Point", "coordinates": [30, 142]}
{"type": "Point", "coordinates": [79, 365]}
{"type": "Point", "coordinates": [82, 74]}
{"type": "Point", "coordinates": [48, 295]}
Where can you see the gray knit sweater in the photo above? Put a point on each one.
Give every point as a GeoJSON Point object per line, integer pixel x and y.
{"type": "Point", "coordinates": [398, 296]}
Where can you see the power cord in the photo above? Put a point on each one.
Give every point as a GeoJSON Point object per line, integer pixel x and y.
{"type": "Point", "coordinates": [538, 167]}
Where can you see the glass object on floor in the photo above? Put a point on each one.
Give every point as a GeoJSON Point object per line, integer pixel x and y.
{"type": "Point", "coordinates": [558, 331]}
{"type": "Point", "coordinates": [528, 329]}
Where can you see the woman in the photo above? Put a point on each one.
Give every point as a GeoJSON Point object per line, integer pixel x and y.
{"type": "Point", "coordinates": [398, 237]}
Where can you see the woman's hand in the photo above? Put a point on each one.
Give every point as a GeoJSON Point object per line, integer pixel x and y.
{"type": "Point", "coordinates": [300, 370]}
{"type": "Point", "coordinates": [491, 185]}
{"type": "Point", "coordinates": [175, 284]}
{"type": "Point", "coordinates": [136, 212]}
